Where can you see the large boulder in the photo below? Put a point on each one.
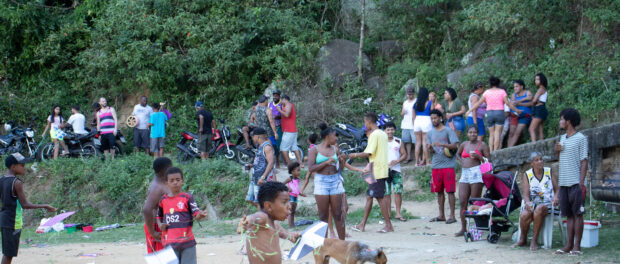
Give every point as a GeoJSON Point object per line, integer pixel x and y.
{"type": "Point", "coordinates": [352, 14]}
{"type": "Point", "coordinates": [454, 78]}
{"type": "Point", "coordinates": [389, 48]}
{"type": "Point", "coordinates": [338, 62]}
{"type": "Point", "coordinates": [474, 54]}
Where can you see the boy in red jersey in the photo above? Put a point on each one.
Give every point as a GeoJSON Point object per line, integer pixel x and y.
{"type": "Point", "coordinates": [174, 217]}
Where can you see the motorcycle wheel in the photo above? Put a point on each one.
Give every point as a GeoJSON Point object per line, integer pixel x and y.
{"type": "Point", "coordinates": [244, 158]}
{"type": "Point", "coordinates": [118, 150]}
{"type": "Point", "coordinates": [183, 157]}
{"type": "Point", "coordinates": [89, 150]}
{"type": "Point", "coordinates": [230, 154]}
{"type": "Point", "coordinates": [291, 155]}
{"type": "Point", "coordinates": [46, 152]}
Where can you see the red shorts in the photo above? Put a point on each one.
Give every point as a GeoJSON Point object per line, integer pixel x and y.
{"type": "Point", "coordinates": [443, 179]}
{"type": "Point", "coordinates": [151, 244]}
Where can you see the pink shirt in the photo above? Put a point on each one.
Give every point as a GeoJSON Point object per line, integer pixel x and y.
{"type": "Point", "coordinates": [494, 99]}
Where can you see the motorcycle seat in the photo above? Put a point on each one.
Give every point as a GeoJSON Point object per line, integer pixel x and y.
{"type": "Point", "coordinates": [83, 136]}
{"type": "Point", "coordinates": [357, 132]}
{"type": "Point", "coordinates": [6, 138]}
{"type": "Point", "coordinates": [191, 134]}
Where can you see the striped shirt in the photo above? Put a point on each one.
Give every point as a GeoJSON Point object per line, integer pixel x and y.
{"type": "Point", "coordinates": [106, 121]}
{"type": "Point", "coordinates": [178, 212]}
{"type": "Point", "coordinates": [574, 150]}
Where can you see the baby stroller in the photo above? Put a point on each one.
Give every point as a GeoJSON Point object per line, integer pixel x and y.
{"type": "Point", "coordinates": [501, 198]}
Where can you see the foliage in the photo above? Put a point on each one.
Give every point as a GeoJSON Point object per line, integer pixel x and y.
{"type": "Point", "coordinates": [353, 184]}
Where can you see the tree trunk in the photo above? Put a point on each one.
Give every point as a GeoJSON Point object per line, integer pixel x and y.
{"type": "Point", "coordinates": [359, 56]}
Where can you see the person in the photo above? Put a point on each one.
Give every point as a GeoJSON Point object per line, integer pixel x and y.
{"type": "Point", "coordinates": [522, 99]}
{"type": "Point", "coordinates": [312, 139]}
{"type": "Point", "coordinates": [277, 122]}
{"type": "Point", "coordinates": [55, 123]}
{"type": "Point", "coordinates": [470, 155]}
{"type": "Point", "coordinates": [250, 120]}
{"type": "Point", "coordinates": [442, 139]}
{"type": "Point", "coordinates": [540, 108]}
{"type": "Point", "coordinates": [157, 189]}
{"type": "Point", "coordinates": [540, 191]}
{"type": "Point", "coordinates": [264, 119]}
{"type": "Point", "coordinates": [432, 96]}
{"type": "Point", "coordinates": [262, 232]}
{"type": "Point", "coordinates": [14, 200]}
{"type": "Point", "coordinates": [476, 118]}
{"type": "Point", "coordinates": [421, 125]}
{"type": "Point", "coordinates": [175, 214]}
{"type": "Point", "coordinates": [573, 158]}
{"type": "Point", "coordinates": [292, 183]}
{"type": "Point", "coordinates": [142, 112]}
{"type": "Point", "coordinates": [77, 120]}
{"type": "Point", "coordinates": [157, 123]}
{"type": "Point", "coordinates": [394, 183]}
{"type": "Point", "coordinates": [407, 123]}
{"type": "Point", "coordinates": [206, 123]}
{"type": "Point", "coordinates": [107, 125]}
{"type": "Point", "coordinates": [96, 107]}
{"type": "Point", "coordinates": [263, 164]}
{"type": "Point", "coordinates": [495, 98]}
{"type": "Point", "coordinates": [288, 141]}
{"type": "Point", "coordinates": [454, 110]}
{"type": "Point", "coordinates": [377, 152]}
{"type": "Point", "coordinates": [324, 165]}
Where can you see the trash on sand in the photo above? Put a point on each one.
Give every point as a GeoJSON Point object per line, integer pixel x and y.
{"type": "Point", "coordinates": [90, 255]}
{"type": "Point", "coordinates": [85, 236]}
{"type": "Point", "coordinates": [430, 250]}
{"type": "Point", "coordinates": [108, 227]}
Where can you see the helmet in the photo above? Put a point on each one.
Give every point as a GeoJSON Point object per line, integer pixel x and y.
{"type": "Point", "coordinates": [7, 127]}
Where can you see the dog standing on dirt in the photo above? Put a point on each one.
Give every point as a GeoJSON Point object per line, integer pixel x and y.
{"type": "Point", "coordinates": [348, 252]}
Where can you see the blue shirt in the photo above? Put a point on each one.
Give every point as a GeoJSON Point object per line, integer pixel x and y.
{"type": "Point", "coordinates": [158, 120]}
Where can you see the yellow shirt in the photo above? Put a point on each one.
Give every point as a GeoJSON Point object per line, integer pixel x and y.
{"type": "Point", "coordinates": [378, 150]}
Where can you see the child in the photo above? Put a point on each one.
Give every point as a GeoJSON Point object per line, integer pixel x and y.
{"type": "Point", "coordinates": [263, 233]}
{"type": "Point", "coordinates": [157, 123]}
{"type": "Point", "coordinates": [293, 189]}
{"type": "Point", "coordinates": [174, 217]}
{"type": "Point", "coordinates": [157, 189]}
{"type": "Point", "coordinates": [13, 201]}
{"type": "Point", "coordinates": [312, 139]}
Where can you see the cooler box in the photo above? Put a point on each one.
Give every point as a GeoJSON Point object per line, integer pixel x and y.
{"type": "Point", "coordinates": [590, 233]}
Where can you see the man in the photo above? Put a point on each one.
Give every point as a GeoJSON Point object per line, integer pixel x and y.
{"type": "Point", "coordinates": [77, 120]}
{"type": "Point", "coordinates": [277, 119]}
{"type": "Point", "coordinates": [394, 183]}
{"type": "Point", "coordinates": [289, 129]}
{"type": "Point", "coordinates": [441, 141]}
{"type": "Point", "coordinates": [250, 120]}
{"type": "Point", "coordinates": [206, 123]}
{"type": "Point", "coordinates": [263, 164]}
{"type": "Point", "coordinates": [573, 158]}
{"type": "Point", "coordinates": [141, 138]}
{"type": "Point", "coordinates": [407, 123]}
{"type": "Point", "coordinates": [264, 119]}
{"type": "Point", "coordinates": [107, 125]}
{"type": "Point", "coordinates": [377, 152]}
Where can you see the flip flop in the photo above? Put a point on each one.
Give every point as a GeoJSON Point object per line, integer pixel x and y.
{"type": "Point", "coordinates": [402, 219]}
{"type": "Point", "coordinates": [450, 221]}
{"type": "Point", "coordinates": [575, 253]}
{"type": "Point", "coordinates": [384, 231]}
{"type": "Point", "coordinates": [560, 252]}
{"type": "Point", "coordinates": [355, 228]}
{"type": "Point", "coordinates": [437, 219]}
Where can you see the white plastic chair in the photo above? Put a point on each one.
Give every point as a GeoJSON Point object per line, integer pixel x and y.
{"type": "Point", "coordinates": [545, 236]}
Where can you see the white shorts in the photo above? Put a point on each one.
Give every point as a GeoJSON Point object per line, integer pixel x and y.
{"type": "Point", "coordinates": [471, 175]}
{"type": "Point", "coordinates": [289, 142]}
{"type": "Point", "coordinates": [422, 123]}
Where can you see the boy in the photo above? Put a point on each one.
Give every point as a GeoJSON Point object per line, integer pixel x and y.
{"type": "Point", "coordinates": [157, 123]}
{"type": "Point", "coordinates": [77, 120]}
{"type": "Point", "coordinates": [157, 189]}
{"type": "Point", "coordinates": [174, 218]}
{"type": "Point", "coordinates": [263, 233]}
{"type": "Point", "coordinates": [442, 139]}
{"type": "Point", "coordinates": [263, 164]}
{"type": "Point", "coordinates": [13, 201]}
{"type": "Point", "coordinates": [394, 183]}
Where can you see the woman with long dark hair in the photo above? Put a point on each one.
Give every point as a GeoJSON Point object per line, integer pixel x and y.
{"type": "Point", "coordinates": [421, 125]}
{"type": "Point", "coordinates": [454, 109]}
{"type": "Point", "coordinates": [476, 118]}
{"type": "Point", "coordinates": [522, 99]}
{"type": "Point", "coordinates": [540, 108]}
{"type": "Point", "coordinates": [55, 123]}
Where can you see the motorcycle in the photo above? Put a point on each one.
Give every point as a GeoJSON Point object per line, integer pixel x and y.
{"type": "Point", "coordinates": [246, 155]}
{"type": "Point", "coordinates": [354, 139]}
{"type": "Point", "coordinates": [220, 145]}
{"type": "Point", "coordinates": [118, 150]}
{"type": "Point", "coordinates": [18, 139]}
{"type": "Point", "coordinates": [79, 145]}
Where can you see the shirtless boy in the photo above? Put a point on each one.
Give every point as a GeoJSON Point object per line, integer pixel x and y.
{"type": "Point", "coordinates": [157, 189]}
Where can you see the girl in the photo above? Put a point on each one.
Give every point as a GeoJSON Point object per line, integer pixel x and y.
{"type": "Point", "coordinates": [540, 108]}
{"type": "Point", "coordinates": [432, 96]}
{"type": "Point", "coordinates": [292, 183]}
{"type": "Point", "coordinates": [422, 124]}
{"type": "Point", "coordinates": [55, 122]}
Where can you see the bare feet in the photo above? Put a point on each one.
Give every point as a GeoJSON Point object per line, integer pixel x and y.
{"type": "Point", "coordinates": [459, 233]}
{"type": "Point", "coordinates": [521, 243]}
{"type": "Point", "coordinates": [386, 230]}
{"type": "Point", "coordinates": [358, 228]}
{"type": "Point", "coordinates": [533, 246]}
{"type": "Point", "coordinates": [333, 235]}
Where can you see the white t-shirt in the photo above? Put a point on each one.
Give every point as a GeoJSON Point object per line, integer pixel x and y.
{"type": "Point", "coordinates": [142, 113]}
{"type": "Point", "coordinates": [56, 122]}
{"type": "Point", "coordinates": [394, 152]}
{"type": "Point", "coordinates": [407, 122]}
{"type": "Point", "coordinates": [77, 122]}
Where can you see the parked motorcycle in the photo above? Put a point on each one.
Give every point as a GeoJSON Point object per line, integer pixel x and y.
{"type": "Point", "coordinates": [79, 145]}
{"type": "Point", "coordinates": [353, 139]}
{"type": "Point", "coordinates": [220, 145]}
{"type": "Point", "coordinates": [18, 139]}
{"type": "Point", "coordinates": [118, 149]}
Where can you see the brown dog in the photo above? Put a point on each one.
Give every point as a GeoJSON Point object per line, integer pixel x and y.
{"type": "Point", "coordinates": [348, 252]}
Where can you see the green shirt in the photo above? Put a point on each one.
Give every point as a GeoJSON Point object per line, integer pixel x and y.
{"type": "Point", "coordinates": [456, 106]}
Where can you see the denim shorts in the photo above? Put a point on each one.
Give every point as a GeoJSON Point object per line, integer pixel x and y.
{"type": "Point", "coordinates": [459, 123]}
{"type": "Point", "coordinates": [471, 175]}
{"type": "Point", "coordinates": [252, 193]}
{"type": "Point", "coordinates": [328, 184]}
{"type": "Point", "coordinates": [495, 118]}
{"type": "Point", "coordinates": [408, 136]}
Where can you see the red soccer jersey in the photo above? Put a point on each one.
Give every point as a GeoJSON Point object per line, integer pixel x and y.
{"type": "Point", "coordinates": [178, 212]}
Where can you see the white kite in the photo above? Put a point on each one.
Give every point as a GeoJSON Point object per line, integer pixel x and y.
{"type": "Point", "coordinates": [311, 238]}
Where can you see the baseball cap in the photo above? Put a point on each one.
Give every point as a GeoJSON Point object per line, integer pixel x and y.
{"type": "Point", "coordinates": [198, 104]}
{"type": "Point", "coordinates": [262, 98]}
{"type": "Point", "coordinates": [258, 131]}
{"type": "Point", "coordinates": [278, 92]}
{"type": "Point", "coordinates": [16, 158]}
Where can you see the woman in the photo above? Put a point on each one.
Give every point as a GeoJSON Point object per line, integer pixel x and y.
{"type": "Point", "coordinates": [477, 117]}
{"type": "Point", "coordinates": [324, 162]}
{"type": "Point", "coordinates": [407, 124]}
{"type": "Point", "coordinates": [540, 108]}
{"type": "Point", "coordinates": [470, 155]}
{"type": "Point", "coordinates": [523, 101]}
{"type": "Point", "coordinates": [432, 96]}
{"type": "Point", "coordinates": [540, 191]}
{"type": "Point", "coordinates": [55, 123]}
{"type": "Point", "coordinates": [454, 110]}
{"type": "Point", "coordinates": [495, 98]}
{"type": "Point", "coordinates": [421, 125]}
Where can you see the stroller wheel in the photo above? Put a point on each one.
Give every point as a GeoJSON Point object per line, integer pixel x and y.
{"type": "Point", "coordinates": [493, 238]}
{"type": "Point", "coordinates": [467, 237]}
